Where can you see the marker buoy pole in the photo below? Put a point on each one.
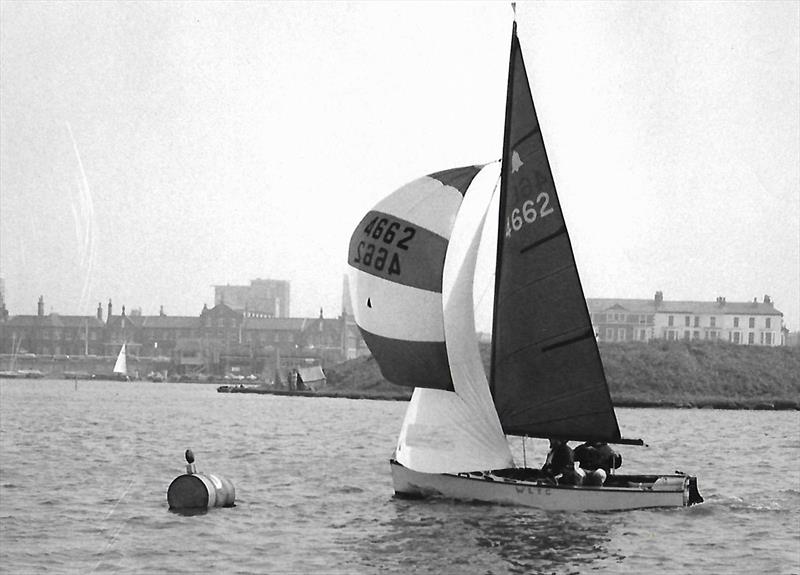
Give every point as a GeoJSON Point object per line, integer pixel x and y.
{"type": "Point", "coordinates": [194, 490]}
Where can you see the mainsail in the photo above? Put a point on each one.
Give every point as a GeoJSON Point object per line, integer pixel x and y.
{"type": "Point", "coordinates": [547, 377]}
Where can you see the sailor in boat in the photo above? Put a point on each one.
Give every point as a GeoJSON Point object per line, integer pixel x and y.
{"type": "Point", "coordinates": [560, 464]}
{"type": "Point", "coordinates": [598, 460]}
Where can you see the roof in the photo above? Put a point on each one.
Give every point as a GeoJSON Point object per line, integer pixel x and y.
{"type": "Point", "coordinates": [170, 322]}
{"type": "Point", "coordinates": [275, 323]}
{"type": "Point", "coordinates": [597, 305]}
{"type": "Point", "coordinates": [311, 374]}
{"type": "Point", "coordinates": [55, 320]}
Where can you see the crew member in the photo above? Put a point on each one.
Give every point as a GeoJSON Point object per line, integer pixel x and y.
{"type": "Point", "coordinates": [597, 460]}
{"type": "Point", "coordinates": [560, 464]}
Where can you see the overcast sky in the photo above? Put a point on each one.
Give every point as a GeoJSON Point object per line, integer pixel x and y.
{"type": "Point", "coordinates": [151, 150]}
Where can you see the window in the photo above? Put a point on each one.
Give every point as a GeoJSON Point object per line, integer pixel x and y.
{"type": "Point", "coordinates": [621, 334]}
{"type": "Point", "coordinates": [688, 320]}
{"type": "Point", "coordinates": [609, 334]}
{"type": "Point", "coordinates": [736, 337]}
{"type": "Point", "coordinates": [713, 334]}
{"type": "Point", "coordinates": [671, 321]}
{"type": "Point", "coordinates": [768, 322]}
{"type": "Point", "coordinates": [751, 337]}
{"type": "Point", "coordinates": [671, 335]}
{"type": "Point", "coordinates": [752, 322]}
{"type": "Point", "coordinates": [697, 321]}
{"type": "Point", "coordinates": [686, 332]}
{"type": "Point", "coordinates": [736, 322]}
{"type": "Point", "coordinates": [713, 321]}
{"type": "Point", "coordinates": [768, 337]}
{"type": "Point", "coordinates": [695, 334]}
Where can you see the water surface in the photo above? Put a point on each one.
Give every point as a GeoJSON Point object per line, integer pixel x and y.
{"type": "Point", "coordinates": [84, 472]}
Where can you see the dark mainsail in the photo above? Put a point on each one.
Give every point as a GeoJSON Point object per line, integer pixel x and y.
{"type": "Point", "coordinates": [547, 377]}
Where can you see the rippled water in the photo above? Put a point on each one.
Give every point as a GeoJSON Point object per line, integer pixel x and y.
{"type": "Point", "coordinates": [84, 474]}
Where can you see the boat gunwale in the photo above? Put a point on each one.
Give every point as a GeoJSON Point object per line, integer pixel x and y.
{"type": "Point", "coordinates": [521, 482]}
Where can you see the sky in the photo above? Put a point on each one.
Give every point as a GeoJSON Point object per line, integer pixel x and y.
{"type": "Point", "coordinates": [152, 150]}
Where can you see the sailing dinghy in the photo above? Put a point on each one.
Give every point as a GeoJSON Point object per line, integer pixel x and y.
{"type": "Point", "coordinates": [120, 371]}
{"type": "Point", "coordinates": [412, 262]}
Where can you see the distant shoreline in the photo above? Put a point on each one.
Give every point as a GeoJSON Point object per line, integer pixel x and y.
{"type": "Point", "coordinates": [711, 403]}
{"type": "Point", "coordinates": [402, 394]}
{"type": "Point", "coordinates": [668, 374]}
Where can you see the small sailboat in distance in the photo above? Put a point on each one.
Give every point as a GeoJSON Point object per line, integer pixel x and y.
{"type": "Point", "coordinates": [120, 370]}
{"type": "Point", "coordinates": [412, 262]}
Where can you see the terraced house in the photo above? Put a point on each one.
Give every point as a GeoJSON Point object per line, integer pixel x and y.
{"type": "Point", "coordinates": [742, 323]}
{"type": "Point", "coordinates": [220, 339]}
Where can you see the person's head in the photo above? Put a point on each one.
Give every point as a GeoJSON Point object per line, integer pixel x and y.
{"type": "Point", "coordinates": [556, 443]}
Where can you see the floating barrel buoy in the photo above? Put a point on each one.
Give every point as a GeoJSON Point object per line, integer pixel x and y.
{"type": "Point", "coordinates": [194, 490]}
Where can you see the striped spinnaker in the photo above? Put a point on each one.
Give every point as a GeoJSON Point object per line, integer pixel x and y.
{"type": "Point", "coordinates": [396, 261]}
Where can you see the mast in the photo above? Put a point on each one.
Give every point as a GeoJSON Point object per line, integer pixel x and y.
{"type": "Point", "coordinates": [503, 185]}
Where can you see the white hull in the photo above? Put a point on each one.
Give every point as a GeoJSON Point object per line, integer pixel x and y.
{"type": "Point", "coordinates": [667, 491]}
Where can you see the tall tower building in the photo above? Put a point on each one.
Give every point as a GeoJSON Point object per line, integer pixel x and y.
{"type": "Point", "coordinates": [262, 298]}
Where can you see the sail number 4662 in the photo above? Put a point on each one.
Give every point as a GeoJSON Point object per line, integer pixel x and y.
{"type": "Point", "coordinates": [528, 212]}
{"type": "Point", "coordinates": [382, 257]}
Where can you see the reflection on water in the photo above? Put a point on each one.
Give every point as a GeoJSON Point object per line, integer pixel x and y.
{"type": "Point", "coordinates": [190, 512]}
{"type": "Point", "coordinates": [436, 536]}
{"type": "Point", "coordinates": [549, 541]}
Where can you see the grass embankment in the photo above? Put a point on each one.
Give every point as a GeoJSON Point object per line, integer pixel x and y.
{"type": "Point", "coordinates": [659, 373]}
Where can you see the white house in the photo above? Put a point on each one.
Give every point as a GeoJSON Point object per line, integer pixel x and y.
{"type": "Point", "coordinates": [743, 323]}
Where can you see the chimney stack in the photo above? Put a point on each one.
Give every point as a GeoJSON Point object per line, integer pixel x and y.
{"type": "Point", "coordinates": [659, 298]}
{"type": "Point", "coordinates": [108, 317]}
{"type": "Point", "coordinates": [99, 311]}
{"type": "Point", "coordinates": [40, 307]}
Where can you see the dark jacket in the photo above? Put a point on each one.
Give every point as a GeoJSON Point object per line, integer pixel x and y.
{"type": "Point", "coordinates": [560, 460]}
{"type": "Point", "coordinates": [597, 455]}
